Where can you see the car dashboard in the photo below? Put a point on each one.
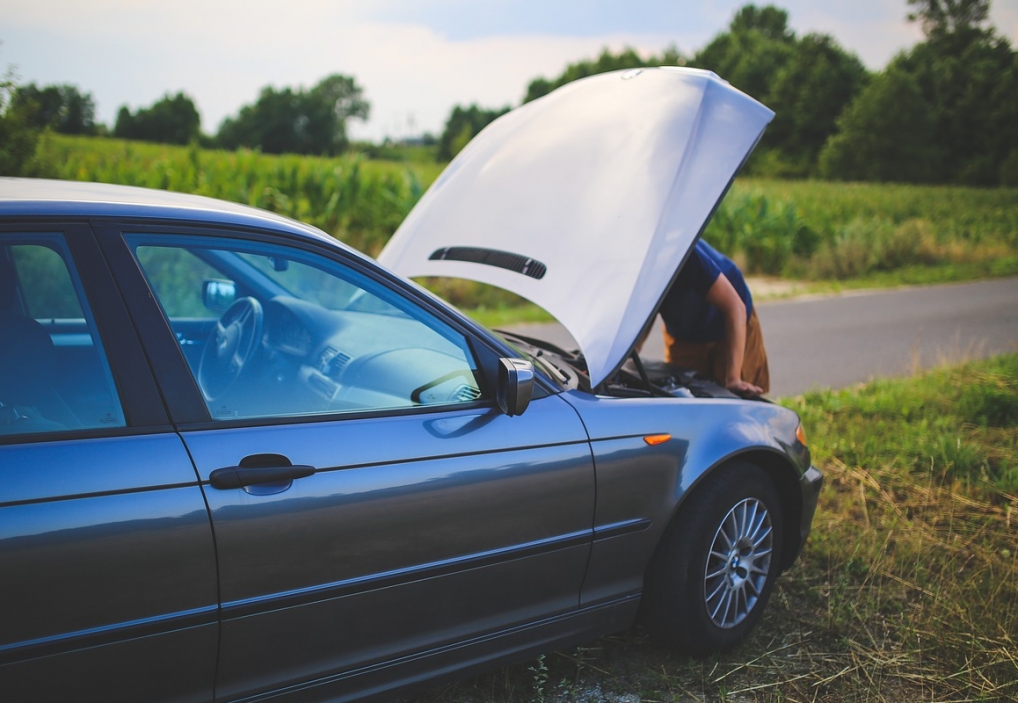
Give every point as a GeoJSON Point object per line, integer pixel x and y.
{"type": "Point", "coordinates": [321, 361]}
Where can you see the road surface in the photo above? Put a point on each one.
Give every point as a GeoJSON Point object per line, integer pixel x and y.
{"type": "Point", "coordinates": [851, 338]}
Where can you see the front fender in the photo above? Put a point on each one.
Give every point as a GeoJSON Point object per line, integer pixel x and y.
{"type": "Point", "coordinates": [640, 486]}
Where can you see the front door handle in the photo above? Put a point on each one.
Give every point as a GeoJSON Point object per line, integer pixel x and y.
{"type": "Point", "coordinates": [259, 468]}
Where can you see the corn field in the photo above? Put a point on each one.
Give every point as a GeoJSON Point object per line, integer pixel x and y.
{"type": "Point", "coordinates": [358, 201]}
{"type": "Point", "coordinates": [812, 230]}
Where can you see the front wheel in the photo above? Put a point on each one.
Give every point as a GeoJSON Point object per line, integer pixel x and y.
{"type": "Point", "coordinates": [717, 562]}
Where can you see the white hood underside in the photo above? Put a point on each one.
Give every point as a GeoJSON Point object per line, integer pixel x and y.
{"type": "Point", "coordinates": [605, 184]}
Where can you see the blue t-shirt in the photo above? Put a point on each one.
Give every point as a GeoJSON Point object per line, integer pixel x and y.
{"type": "Point", "coordinates": [685, 310]}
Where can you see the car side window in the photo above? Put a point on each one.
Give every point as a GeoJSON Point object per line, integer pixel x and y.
{"type": "Point", "coordinates": [271, 331]}
{"type": "Point", "coordinates": [54, 375]}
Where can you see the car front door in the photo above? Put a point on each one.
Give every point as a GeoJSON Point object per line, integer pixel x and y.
{"type": "Point", "coordinates": [107, 566]}
{"type": "Point", "coordinates": [370, 501]}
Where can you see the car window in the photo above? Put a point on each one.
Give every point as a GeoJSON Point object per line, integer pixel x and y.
{"type": "Point", "coordinates": [271, 331]}
{"type": "Point", "coordinates": [54, 375]}
{"type": "Point", "coordinates": [177, 276]}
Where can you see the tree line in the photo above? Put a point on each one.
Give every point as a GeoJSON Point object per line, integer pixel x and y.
{"type": "Point", "coordinates": [287, 120]}
{"type": "Point", "coordinates": [944, 111]}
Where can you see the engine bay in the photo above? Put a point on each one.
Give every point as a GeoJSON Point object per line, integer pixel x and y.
{"type": "Point", "coordinates": [636, 378]}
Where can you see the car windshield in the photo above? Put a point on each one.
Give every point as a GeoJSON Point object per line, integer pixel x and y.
{"type": "Point", "coordinates": [317, 286]}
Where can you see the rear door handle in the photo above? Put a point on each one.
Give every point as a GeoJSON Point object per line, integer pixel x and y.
{"type": "Point", "coordinates": [259, 468]}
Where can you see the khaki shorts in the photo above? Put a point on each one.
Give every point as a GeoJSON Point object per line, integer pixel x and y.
{"type": "Point", "coordinates": [709, 357]}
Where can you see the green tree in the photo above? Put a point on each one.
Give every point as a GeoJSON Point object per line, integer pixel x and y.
{"type": "Point", "coordinates": [462, 126]}
{"type": "Point", "coordinates": [808, 82]}
{"type": "Point", "coordinates": [465, 122]}
{"type": "Point", "coordinates": [968, 77]}
{"type": "Point", "coordinates": [341, 96]}
{"type": "Point", "coordinates": [170, 120]}
{"type": "Point", "coordinates": [885, 135]}
{"type": "Point", "coordinates": [607, 61]}
{"type": "Point", "coordinates": [18, 137]}
{"type": "Point", "coordinates": [62, 108]}
{"type": "Point", "coordinates": [299, 122]}
{"type": "Point", "coordinates": [769, 21]}
{"type": "Point", "coordinates": [808, 94]}
{"type": "Point", "coordinates": [948, 17]}
{"type": "Point", "coordinates": [757, 45]}
{"type": "Point", "coordinates": [945, 111]}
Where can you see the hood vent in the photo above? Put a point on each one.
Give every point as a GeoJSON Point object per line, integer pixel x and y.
{"type": "Point", "coordinates": [492, 257]}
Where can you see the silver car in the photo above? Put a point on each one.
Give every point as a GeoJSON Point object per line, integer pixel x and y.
{"type": "Point", "coordinates": [241, 460]}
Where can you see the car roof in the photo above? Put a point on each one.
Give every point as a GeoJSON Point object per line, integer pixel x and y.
{"type": "Point", "coordinates": [35, 197]}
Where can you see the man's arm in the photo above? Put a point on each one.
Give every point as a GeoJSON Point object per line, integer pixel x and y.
{"type": "Point", "coordinates": [723, 296]}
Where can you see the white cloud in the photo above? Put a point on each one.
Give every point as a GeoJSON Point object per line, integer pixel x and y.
{"type": "Point", "coordinates": [222, 52]}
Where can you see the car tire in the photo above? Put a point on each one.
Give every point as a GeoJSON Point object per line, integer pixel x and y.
{"type": "Point", "coordinates": [716, 564]}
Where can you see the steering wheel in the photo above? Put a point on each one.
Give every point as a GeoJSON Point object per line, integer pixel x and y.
{"type": "Point", "coordinates": [231, 346]}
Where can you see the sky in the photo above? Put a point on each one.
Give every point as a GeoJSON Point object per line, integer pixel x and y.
{"type": "Point", "coordinates": [415, 59]}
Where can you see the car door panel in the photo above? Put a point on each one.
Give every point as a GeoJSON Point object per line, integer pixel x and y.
{"type": "Point", "coordinates": [414, 531]}
{"type": "Point", "coordinates": [40, 471]}
{"type": "Point", "coordinates": [377, 626]}
{"type": "Point", "coordinates": [107, 562]}
{"type": "Point", "coordinates": [173, 666]}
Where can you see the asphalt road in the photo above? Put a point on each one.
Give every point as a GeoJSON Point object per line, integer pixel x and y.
{"type": "Point", "coordinates": [851, 338]}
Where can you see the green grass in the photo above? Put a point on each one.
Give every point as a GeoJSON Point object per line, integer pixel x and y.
{"type": "Point", "coordinates": [357, 200]}
{"type": "Point", "coordinates": [829, 236]}
{"type": "Point", "coordinates": [960, 424]}
{"type": "Point", "coordinates": [974, 214]}
{"type": "Point", "coordinates": [880, 233]}
{"type": "Point", "coordinates": [907, 589]}
{"type": "Point", "coordinates": [504, 315]}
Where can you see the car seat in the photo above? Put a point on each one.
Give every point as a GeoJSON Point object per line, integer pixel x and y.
{"type": "Point", "coordinates": [28, 364]}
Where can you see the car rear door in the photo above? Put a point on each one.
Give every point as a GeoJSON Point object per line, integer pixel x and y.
{"type": "Point", "coordinates": [107, 567]}
{"type": "Point", "coordinates": [399, 522]}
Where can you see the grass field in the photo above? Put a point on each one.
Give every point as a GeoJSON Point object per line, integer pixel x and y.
{"type": "Point", "coordinates": [357, 200]}
{"type": "Point", "coordinates": [820, 230]}
{"type": "Point", "coordinates": [906, 591]}
{"type": "Point", "coordinates": [830, 235]}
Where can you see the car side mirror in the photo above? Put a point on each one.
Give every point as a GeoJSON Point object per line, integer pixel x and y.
{"type": "Point", "coordinates": [515, 385]}
{"type": "Point", "coordinates": [218, 295]}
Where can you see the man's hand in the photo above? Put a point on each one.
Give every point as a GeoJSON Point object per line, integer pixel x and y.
{"type": "Point", "coordinates": [740, 387]}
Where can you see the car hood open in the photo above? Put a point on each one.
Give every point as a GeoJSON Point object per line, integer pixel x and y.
{"type": "Point", "coordinates": [587, 201]}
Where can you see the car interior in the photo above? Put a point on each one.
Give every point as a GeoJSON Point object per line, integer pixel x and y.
{"type": "Point", "coordinates": [268, 336]}
{"type": "Point", "coordinates": [52, 377]}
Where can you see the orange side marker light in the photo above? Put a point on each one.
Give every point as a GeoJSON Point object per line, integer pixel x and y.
{"type": "Point", "coordinates": [655, 439]}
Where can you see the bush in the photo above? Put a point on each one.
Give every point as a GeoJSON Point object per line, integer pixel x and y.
{"type": "Point", "coordinates": [868, 245]}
